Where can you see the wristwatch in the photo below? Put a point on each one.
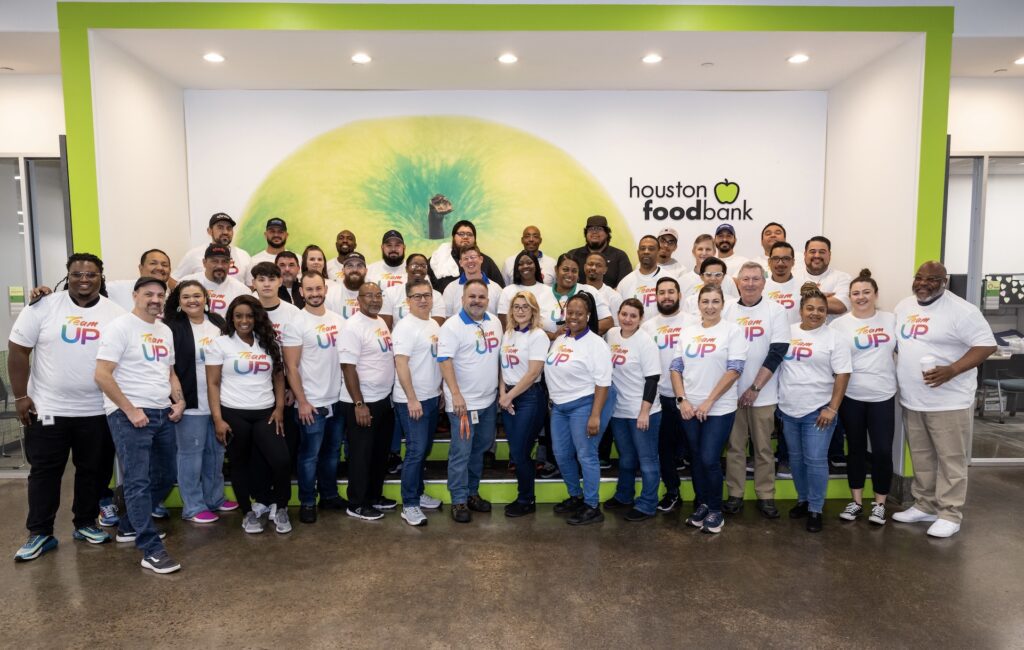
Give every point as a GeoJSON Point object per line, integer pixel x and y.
{"type": "Point", "coordinates": [755, 388]}
{"type": "Point", "coordinates": [358, 404]}
{"type": "Point", "coordinates": [680, 400]}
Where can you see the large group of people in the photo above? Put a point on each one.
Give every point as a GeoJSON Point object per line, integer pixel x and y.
{"type": "Point", "coordinates": [281, 360]}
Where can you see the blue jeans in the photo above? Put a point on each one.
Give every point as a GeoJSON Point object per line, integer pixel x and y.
{"type": "Point", "coordinates": [200, 465]}
{"type": "Point", "coordinates": [571, 443]}
{"type": "Point", "coordinates": [419, 435]}
{"type": "Point", "coordinates": [707, 442]}
{"type": "Point", "coordinates": [521, 430]}
{"type": "Point", "coordinates": [147, 456]}
{"type": "Point", "coordinates": [808, 456]}
{"type": "Point", "coordinates": [638, 449]}
{"type": "Point", "coordinates": [318, 454]}
{"type": "Point", "coordinates": [466, 457]}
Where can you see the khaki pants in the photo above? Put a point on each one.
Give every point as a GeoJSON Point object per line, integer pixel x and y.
{"type": "Point", "coordinates": [756, 423]}
{"type": "Point", "coordinates": [938, 447]}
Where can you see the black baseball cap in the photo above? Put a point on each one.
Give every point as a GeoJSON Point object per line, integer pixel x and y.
{"type": "Point", "coordinates": [148, 279]}
{"type": "Point", "coordinates": [221, 216]}
{"type": "Point", "coordinates": [354, 256]}
{"type": "Point", "coordinates": [216, 250]}
{"type": "Point", "coordinates": [392, 234]}
{"type": "Point", "coordinates": [276, 222]}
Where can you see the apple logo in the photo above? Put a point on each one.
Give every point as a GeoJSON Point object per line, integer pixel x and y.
{"type": "Point", "coordinates": [726, 192]}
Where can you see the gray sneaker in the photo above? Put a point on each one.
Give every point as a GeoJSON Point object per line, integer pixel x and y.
{"type": "Point", "coordinates": [428, 502]}
{"type": "Point", "coordinates": [414, 516]}
{"type": "Point", "coordinates": [252, 524]}
{"type": "Point", "coordinates": [160, 562]}
{"type": "Point", "coordinates": [281, 520]}
{"type": "Point", "coordinates": [260, 509]}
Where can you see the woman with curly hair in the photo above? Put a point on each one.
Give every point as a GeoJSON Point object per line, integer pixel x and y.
{"type": "Point", "coordinates": [245, 382]}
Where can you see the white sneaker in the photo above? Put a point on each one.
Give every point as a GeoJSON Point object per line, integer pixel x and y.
{"type": "Point", "coordinates": [272, 512]}
{"type": "Point", "coordinates": [251, 523]}
{"type": "Point", "coordinates": [877, 514]}
{"type": "Point", "coordinates": [414, 516]}
{"type": "Point", "coordinates": [283, 525]}
{"type": "Point", "coordinates": [943, 528]}
{"type": "Point", "coordinates": [429, 503]}
{"type": "Point", "coordinates": [912, 515]}
{"type": "Point", "coordinates": [259, 509]}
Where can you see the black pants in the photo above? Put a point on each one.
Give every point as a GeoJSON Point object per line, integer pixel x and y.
{"type": "Point", "coordinates": [262, 484]}
{"type": "Point", "coordinates": [253, 436]}
{"type": "Point", "coordinates": [877, 420]}
{"type": "Point", "coordinates": [368, 451]}
{"type": "Point", "coordinates": [670, 441]}
{"type": "Point", "coordinates": [46, 449]}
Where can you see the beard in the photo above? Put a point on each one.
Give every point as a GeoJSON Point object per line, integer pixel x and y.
{"type": "Point", "coordinates": [669, 309]}
{"type": "Point", "coordinates": [394, 259]}
{"type": "Point", "coordinates": [596, 247]}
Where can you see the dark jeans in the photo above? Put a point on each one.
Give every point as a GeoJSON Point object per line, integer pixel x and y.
{"type": "Point", "coordinates": [863, 419]}
{"type": "Point", "coordinates": [319, 453]}
{"type": "Point", "coordinates": [368, 446]}
{"type": "Point", "coordinates": [670, 436]}
{"type": "Point", "coordinates": [252, 435]}
{"type": "Point", "coordinates": [47, 449]}
{"type": "Point", "coordinates": [521, 430]}
{"type": "Point", "coordinates": [707, 442]}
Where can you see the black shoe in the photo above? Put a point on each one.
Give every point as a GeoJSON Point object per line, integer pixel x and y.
{"type": "Point", "coordinates": [615, 504]}
{"type": "Point", "coordinates": [571, 506]}
{"type": "Point", "coordinates": [385, 503]}
{"type": "Point", "coordinates": [489, 460]}
{"type": "Point", "coordinates": [586, 515]}
{"type": "Point", "coordinates": [477, 503]}
{"type": "Point", "coordinates": [636, 515]}
{"type": "Point", "coordinates": [767, 508]}
{"type": "Point", "coordinates": [307, 514]}
{"type": "Point", "coordinates": [605, 463]}
{"type": "Point", "coordinates": [461, 514]}
{"type": "Point", "coordinates": [549, 471]}
{"type": "Point", "coordinates": [838, 461]}
{"type": "Point", "coordinates": [799, 511]}
{"type": "Point", "coordinates": [732, 505]}
{"type": "Point", "coordinates": [394, 463]}
{"type": "Point", "coordinates": [517, 509]}
{"type": "Point", "coordinates": [814, 522]}
{"type": "Point", "coordinates": [681, 464]}
{"type": "Point", "coordinates": [669, 503]}
{"type": "Point", "coordinates": [337, 503]}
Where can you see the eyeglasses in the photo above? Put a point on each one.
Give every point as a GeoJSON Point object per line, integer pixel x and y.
{"type": "Point", "coordinates": [83, 275]}
{"type": "Point", "coordinates": [470, 258]}
{"type": "Point", "coordinates": [417, 265]}
{"type": "Point", "coordinates": [419, 296]}
{"type": "Point", "coordinates": [780, 258]}
{"type": "Point", "coordinates": [713, 274]}
{"type": "Point", "coordinates": [595, 228]}
{"type": "Point", "coordinates": [464, 233]}
{"type": "Point", "coordinates": [521, 308]}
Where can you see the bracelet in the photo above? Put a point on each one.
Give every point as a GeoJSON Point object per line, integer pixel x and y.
{"type": "Point", "coordinates": [18, 399]}
{"type": "Point", "coordinates": [835, 412]}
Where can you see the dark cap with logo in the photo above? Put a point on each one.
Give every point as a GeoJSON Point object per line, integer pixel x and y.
{"type": "Point", "coordinates": [725, 227]}
{"type": "Point", "coordinates": [221, 216]}
{"type": "Point", "coordinates": [148, 279]}
{"type": "Point", "coordinates": [597, 221]}
{"type": "Point", "coordinates": [392, 234]}
{"type": "Point", "coordinates": [276, 222]}
{"type": "Point", "coordinates": [216, 250]}
{"type": "Point", "coordinates": [353, 256]}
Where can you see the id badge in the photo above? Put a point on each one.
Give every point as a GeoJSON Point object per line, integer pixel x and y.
{"type": "Point", "coordinates": [47, 420]}
{"type": "Point", "coordinates": [330, 411]}
{"type": "Point", "coordinates": [474, 417]}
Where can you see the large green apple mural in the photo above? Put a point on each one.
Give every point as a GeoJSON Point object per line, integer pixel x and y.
{"type": "Point", "coordinates": [372, 175]}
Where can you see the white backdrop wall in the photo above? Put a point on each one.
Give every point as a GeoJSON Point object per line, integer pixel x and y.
{"type": "Point", "coordinates": [986, 115]}
{"type": "Point", "coordinates": [31, 115]}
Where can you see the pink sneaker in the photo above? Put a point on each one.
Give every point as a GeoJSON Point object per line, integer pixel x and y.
{"type": "Point", "coordinates": [228, 506]}
{"type": "Point", "coordinates": [204, 517]}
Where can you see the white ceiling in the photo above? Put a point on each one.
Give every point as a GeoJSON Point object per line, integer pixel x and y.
{"type": "Point", "coordinates": [981, 57]}
{"type": "Point", "coordinates": [30, 52]}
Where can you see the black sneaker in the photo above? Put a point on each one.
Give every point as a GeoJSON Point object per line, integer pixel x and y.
{"type": "Point", "coordinates": [307, 514]}
{"type": "Point", "coordinates": [615, 504]}
{"type": "Point", "coordinates": [814, 522]}
{"type": "Point", "coordinates": [517, 509]}
{"type": "Point", "coordinates": [337, 503]}
{"type": "Point", "coordinates": [605, 463]}
{"type": "Point", "coordinates": [669, 503]}
{"type": "Point", "coordinates": [681, 464]}
{"type": "Point", "coordinates": [160, 562]}
{"type": "Point", "coordinates": [548, 471]}
{"type": "Point", "coordinates": [366, 513]}
{"type": "Point", "coordinates": [477, 503]}
{"type": "Point", "coordinates": [799, 511]}
{"type": "Point", "coordinates": [767, 508]}
{"type": "Point", "coordinates": [837, 461]}
{"type": "Point", "coordinates": [385, 503]}
{"type": "Point", "coordinates": [636, 515]}
{"type": "Point", "coordinates": [571, 506]}
{"type": "Point", "coordinates": [489, 460]}
{"type": "Point", "coordinates": [461, 514]}
{"type": "Point", "coordinates": [394, 463]}
{"type": "Point", "coordinates": [732, 505]}
{"type": "Point", "coordinates": [586, 515]}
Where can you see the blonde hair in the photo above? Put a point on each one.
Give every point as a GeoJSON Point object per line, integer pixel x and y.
{"type": "Point", "coordinates": [536, 321]}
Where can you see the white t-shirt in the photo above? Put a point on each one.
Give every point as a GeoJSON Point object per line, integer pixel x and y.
{"type": "Point", "coordinates": [262, 256]}
{"type": "Point", "coordinates": [643, 287]}
{"type": "Point", "coordinates": [396, 304]}
{"type": "Point", "coordinates": [65, 339]}
{"type": "Point", "coordinates": [689, 283]}
{"type": "Point", "coordinates": [728, 287]}
{"type": "Point", "coordinates": [366, 343]}
{"type": "Point", "coordinates": [691, 306]}
{"type": "Point", "coordinates": [872, 344]}
{"type": "Point", "coordinates": [763, 324]}
{"type": "Point", "coordinates": [386, 276]}
{"type": "Point", "coordinates": [280, 316]}
{"type": "Point", "coordinates": [831, 281]}
{"type": "Point", "coordinates": [120, 291]}
{"type": "Point", "coordinates": [733, 264]}
{"type": "Point", "coordinates": [192, 264]}
{"type": "Point", "coordinates": [518, 349]}
{"type": "Point", "coordinates": [575, 366]}
{"type": "Point", "coordinates": [808, 370]}
{"type": "Point", "coordinates": [552, 308]}
{"type": "Point", "coordinates": [474, 349]}
{"type": "Point", "coordinates": [665, 332]}
{"type": "Point", "coordinates": [335, 271]}
{"type": "Point", "coordinates": [505, 298]}
{"type": "Point", "coordinates": [342, 300]}
{"type": "Point", "coordinates": [221, 294]}
{"type": "Point", "coordinates": [203, 337]}
{"type": "Point", "coordinates": [144, 354]}
{"type": "Point", "coordinates": [633, 360]}
{"type": "Point", "coordinates": [705, 352]}
{"type": "Point", "coordinates": [547, 268]}
{"type": "Point", "coordinates": [787, 294]}
{"type": "Point", "coordinates": [614, 300]}
{"type": "Point", "coordinates": [453, 296]}
{"type": "Point", "coordinates": [318, 365]}
{"type": "Point", "coordinates": [418, 339]}
{"type": "Point", "coordinates": [247, 373]}
{"type": "Point", "coordinates": [945, 329]}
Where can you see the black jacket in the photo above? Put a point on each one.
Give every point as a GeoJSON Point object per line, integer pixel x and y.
{"type": "Point", "coordinates": [618, 263]}
{"type": "Point", "coordinates": [185, 355]}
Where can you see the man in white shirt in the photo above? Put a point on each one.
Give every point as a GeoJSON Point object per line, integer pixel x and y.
{"type": "Point", "coordinates": [770, 234]}
{"type": "Point", "coordinates": [396, 300]}
{"type": "Point", "coordinates": [713, 273]}
{"type": "Point", "coordinates": [668, 241]}
{"type": "Point", "coordinates": [51, 362]}
{"type": "Point", "coordinates": [276, 234]}
{"type": "Point", "coordinates": [310, 353]}
{"type": "Point", "coordinates": [215, 279]}
{"type": "Point", "coordinates": [471, 262]}
{"type": "Point", "coordinates": [942, 340]}
{"type": "Point", "coordinates": [640, 283]}
{"type": "Point", "coordinates": [835, 284]}
{"type": "Point", "coordinates": [531, 241]}
{"type": "Point", "coordinates": [154, 264]}
{"type": "Point", "coordinates": [343, 298]}
{"type": "Point", "coordinates": [468, 351]}
{"type": "Point", "coordinates": [725, 244]}
{"type": "Point", "coordinates": [142, 400]}
{"type": "Point", "coordinates": [594, 269]}
{"type": "Point", "coordinates": [345, 244]}
{"type": "Point", "coordinates": [389, 271]}
{"type": "Point", "coordinates": [222, 232]}
{"type": "Point", "coordinates": [782, 285]}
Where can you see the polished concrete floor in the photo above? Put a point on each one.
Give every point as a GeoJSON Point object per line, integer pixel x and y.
{"type": "Point", "coordinates": [532, 583]}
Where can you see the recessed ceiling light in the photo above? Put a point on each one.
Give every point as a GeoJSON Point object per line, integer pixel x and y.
{"type": "Point", "coordinates": [653, 57]}
{"type": "Point", "coordinates": [1020, 61]}
{"type": "Point", "coordinates": [799, 58]}
{"type": "Point", "coordinates": [361, 58]}
{"type": "Point", "coordinates": [508, 58]}
{"type": "Point", "coordinates": [213, 57]}
{"type": "Point", "coordinates": [999, 71]}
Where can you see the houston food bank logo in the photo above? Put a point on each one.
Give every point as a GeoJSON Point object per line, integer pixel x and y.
{"type": "Point", "coordinates": [693, 202]}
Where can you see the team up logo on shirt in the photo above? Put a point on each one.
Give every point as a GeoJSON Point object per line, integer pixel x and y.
{"type": "Point", "coordinates": [154, 348]}
{"type": "Point", "coordinates": [701, 346]}
{"type": "Point", "coordinates": [646, 295]}
{"type": "Point", "coordinates": [667, 337]}
{"type": "Point", "coordinates": [78, 330]}
{"type": "Point", "coordinates": [252, 363]}
{"type": "Point", "coordinates": [509, 357]}
{"type": "Point", "coordinates": [218, 301]}
{"type": "Point", "coordinates": [203, 344]}
{"type": "Point", "coordinates": [784, 299]}
{"type": "Point", "coordinates": [350, 308]}
{"type": "Point", "coordinates": [383, 339]}
{"type": "Point", "coordinates": [433, 345]}
{"type": "Point", "coordinates": [915, 327]}
{"type": "Point", "coordinates": [559, 355]}
{"type": "Point", "coordinates": [865, 338]}
{"type": "Point", "coordinates": [620, 354]}
{"type": "Point", "coordinates": [486, 342]}
{"type": "Point", "coordinates": [278, 332]}
{"type": "Point", "coordinates": [752, 327]}
{"type": "Point", "coordinates": [388, 280]}
{"type": "Point", "coordinates": [799, 350]}
{"type": "Point", "coordinates": [326, 335]}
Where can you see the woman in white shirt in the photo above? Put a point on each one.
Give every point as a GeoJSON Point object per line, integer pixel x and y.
{"type": "Point", "coordinates": [812, 381]}
{"type": "Point", "coordinates": [526, 276]}
{"type": "Point", "coordinates": [709, 360]}
{"type": "Point", "coordinates": [690, 280]}
{"type": "Point", "coordinates": [556, 297]}
{"type": "Point", "coordinates": [521, 395]}
{"type": "Point", "coordinates": [245, 382]}
{"type": "Point", "coordinates": [636, 420]}
{"type": "Point", "coordinates": [868, 408]}
{"type": "Point", "coordinates": [578, 371]}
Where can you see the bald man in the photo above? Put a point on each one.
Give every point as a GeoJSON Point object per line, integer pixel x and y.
{"type": "Point", "coordinates": [531, 241]}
